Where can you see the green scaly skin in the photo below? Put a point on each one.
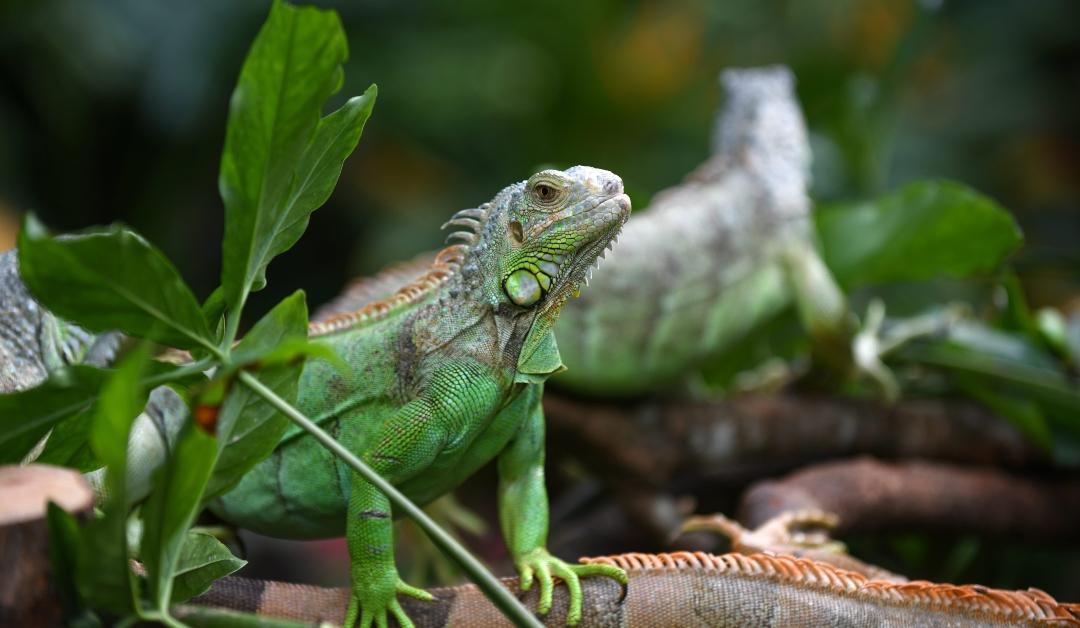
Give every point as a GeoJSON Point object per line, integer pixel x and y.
{"type": "Point", "coordinates": [442, 380]}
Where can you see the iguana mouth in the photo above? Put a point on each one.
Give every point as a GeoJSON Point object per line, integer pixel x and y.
{"type": "Point", "coordinates": [577, 267]}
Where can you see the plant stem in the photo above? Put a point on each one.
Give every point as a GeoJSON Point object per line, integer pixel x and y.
{"type": "Point", "coordinates": [181, 372]}
{"type": "Point", "coordinates": [489, 584]}
{"type": "Point", "coordinates": [207, 617]}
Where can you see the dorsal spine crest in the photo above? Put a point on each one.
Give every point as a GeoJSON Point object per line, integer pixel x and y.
{"type": "Point", "coordinates": [447, 265]}
{"type": "Point", "coordinates": [1031, 604]}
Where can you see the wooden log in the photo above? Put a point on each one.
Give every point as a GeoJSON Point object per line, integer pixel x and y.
{"type": "Point", "coordinates": [27, 594]}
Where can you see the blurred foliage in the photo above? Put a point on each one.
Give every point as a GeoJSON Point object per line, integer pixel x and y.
{"type": "Point", "coordinates": [115, 109]}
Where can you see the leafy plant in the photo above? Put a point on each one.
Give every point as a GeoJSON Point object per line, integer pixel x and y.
{"type": "Point", "coordinates": [933, 229]}
{"type": "Point", "coordinates": [281, 160]}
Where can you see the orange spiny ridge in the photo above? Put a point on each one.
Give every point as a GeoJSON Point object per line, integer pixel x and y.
{"type": "Point", "coordinates": [447, 263]}
{"type": "Point", "coordinates": [1031, 604]}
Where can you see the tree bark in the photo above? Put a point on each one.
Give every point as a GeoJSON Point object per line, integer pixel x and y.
{"type": "Point", "coordinates": [870, 496]}
{"type": "Point", "coordinates": [27, 593]}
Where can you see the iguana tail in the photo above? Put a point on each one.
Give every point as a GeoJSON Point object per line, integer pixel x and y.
{"type": "Point", "coordinates": [688, 589]}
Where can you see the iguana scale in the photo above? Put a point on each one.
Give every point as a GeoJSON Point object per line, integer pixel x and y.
{"type": "Point", "coordinates": [34, 342]}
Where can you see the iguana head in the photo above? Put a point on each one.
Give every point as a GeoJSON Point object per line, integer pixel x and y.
{"type": "Point", "coordinates": [521, 255]}
{"type": "Point", "coordinates": [538, 240]}
{"type": "Point", "coordinates": [528, 250]}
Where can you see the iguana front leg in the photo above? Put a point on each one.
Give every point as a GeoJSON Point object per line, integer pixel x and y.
{"type": "Point", "coordinates": [838, 337]}
{"type": "Point", "coordinates": [523, 516]}
{"type": "Point", "coordinates": [405, 446]}
{"type": "Point", "coordinates": [458, 395]}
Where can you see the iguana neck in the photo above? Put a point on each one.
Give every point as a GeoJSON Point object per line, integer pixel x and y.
{"type": "Point", "coordinates": [462, 285]}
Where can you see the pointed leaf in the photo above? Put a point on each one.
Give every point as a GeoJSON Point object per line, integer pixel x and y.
{"type": "Point", "coordinates": [293, 66]}
{"type": "Point", "coordinates": [26, 416]}
{"type": "Point", "coordinates": [248, 427]}
{"type": "Point", "coordinates": [69, 445]}
{"type": "Point", "coordinates": [105, 577]}
{"type": "Point", "coordinates": [171, 508]}
{"type": "Point", "coordinates": [111, 279]}
{"type": "Point", "coordinates": [203, 560]}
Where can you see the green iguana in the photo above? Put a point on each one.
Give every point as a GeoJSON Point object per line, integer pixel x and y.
{"type": "Point", "coordinates": [444, 376]}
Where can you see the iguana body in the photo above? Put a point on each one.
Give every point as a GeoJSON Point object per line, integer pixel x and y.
{"type": "Point", "coordinates": [710, 259]}
{"type": "Point", "coordinates": [685, 589]}
{"type": "Point", "coordinates": [443, 377]}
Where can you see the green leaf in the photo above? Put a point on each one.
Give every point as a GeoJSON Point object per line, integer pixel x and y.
{"type": "Point", "coordinates": [105, 577]}
{"type": "Point", "coordinates": [111, 279]}
{"type": "Point", "coordinates": [280, 161]}
{"type": "Point", "coordinates": [69, 445]}
{"type": "Point", "coordinates": [291, 350]}
{"type": "Point", "coordinates": [65, 539]}
{"type": "Point", "coordinates": [924, 230]}
{"type": "Point", "coordinates": [203, 560]}
{"type": "Point", "coordinates": [122, 399]}
{"type": "Point", "coordinates": [1007, 363]}
{"type": "Point", "coordinates": [248, 427]}
{"type": "Point", "coordinates": [171, 508]}
{"type": "Point", "coordinates": [213, 310]}
{"type": "Point", "coordinates": [26, 416]}
{"type": "Point", "coordinates": [1022, 413]}
{"type": "Point", "coordinates": [65, 403]}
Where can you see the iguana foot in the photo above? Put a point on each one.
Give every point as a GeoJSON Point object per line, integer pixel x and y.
{"type": "Point", "coordinates": [787, 533]}
{"type": "Point", "coordinates": [543, 565]}
{"type": "Point", "coordinates": [800, 533]}
{"type": "Point", "coordinates": [875, 340]}
{"type": "Point", "coordinates": [374, 603]}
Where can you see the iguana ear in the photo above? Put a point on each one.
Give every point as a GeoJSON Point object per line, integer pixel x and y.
{"type": "Point", "coordinates": [539, 358]}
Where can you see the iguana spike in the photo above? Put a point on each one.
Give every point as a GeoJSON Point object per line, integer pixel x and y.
{"type": "Point", "coordinates": [463, 236]}
{"type": "Point", "coordinates": [471, 224]}
{"type": "Point", "coordinates": [478, 213]}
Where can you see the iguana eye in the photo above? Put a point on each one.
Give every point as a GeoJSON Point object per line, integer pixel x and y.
{"type": "Point", "coordinates": [523, 288]}
{"type": "Point", "coordinates": [546, 194]}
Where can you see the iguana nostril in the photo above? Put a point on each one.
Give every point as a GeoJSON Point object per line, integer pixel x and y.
{"type": "Point", "coordinates": [613, 187]}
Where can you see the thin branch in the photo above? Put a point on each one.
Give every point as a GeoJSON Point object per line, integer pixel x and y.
{"type": "Point", "coordinates": [868, 495]}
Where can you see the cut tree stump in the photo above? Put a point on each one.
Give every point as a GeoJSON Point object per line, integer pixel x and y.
{"type": "Point", "coordinates": [27, 595]}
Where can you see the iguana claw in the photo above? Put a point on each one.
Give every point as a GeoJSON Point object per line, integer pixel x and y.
{"type": "Point", "coordinates": [543, 565]}
{"type": "Point", "coordinates": [373, 611]}
{"type": "Point", "coordinates": [875, 340]}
